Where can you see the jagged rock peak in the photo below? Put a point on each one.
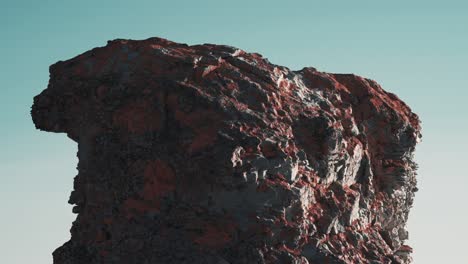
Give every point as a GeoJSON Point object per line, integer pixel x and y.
{"type": "Point", "coordinates": [211, 154]}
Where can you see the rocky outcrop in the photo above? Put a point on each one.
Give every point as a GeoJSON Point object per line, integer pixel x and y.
{"type": "Point", "coordinates": [210, 154]}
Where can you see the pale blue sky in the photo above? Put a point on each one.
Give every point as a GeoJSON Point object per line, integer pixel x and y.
{"type": "Point", "coordinates": [416, 49]}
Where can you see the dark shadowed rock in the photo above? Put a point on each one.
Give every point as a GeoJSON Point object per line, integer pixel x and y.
{"type": "Point", "coordinates": [210, 154]}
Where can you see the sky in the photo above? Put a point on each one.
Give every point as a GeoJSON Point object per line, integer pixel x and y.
{"type": "Point", "coordinates": [415, 49]}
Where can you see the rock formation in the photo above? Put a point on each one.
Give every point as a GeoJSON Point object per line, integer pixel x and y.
{"type": "Point", "coordinates": [210, 154]}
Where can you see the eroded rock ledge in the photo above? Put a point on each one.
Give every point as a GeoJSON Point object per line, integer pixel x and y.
{"type": "Point", "coordinates": [210, 154]}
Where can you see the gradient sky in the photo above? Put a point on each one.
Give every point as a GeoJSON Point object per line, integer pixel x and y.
{"type": "Point", "coordinates": [416, 49]}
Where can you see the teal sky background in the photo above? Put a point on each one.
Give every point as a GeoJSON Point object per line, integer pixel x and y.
{"type": "Point", "coordinates": [415, 49]}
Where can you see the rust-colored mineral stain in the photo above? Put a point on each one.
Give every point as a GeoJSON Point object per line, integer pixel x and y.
{"type": "Point", "coordinates": [270, 150]}
{"type": "Point", "coordinates": [133, 206]}
{"type": "Point", "coordinates": [213, 237]}
{"type": "Point", "coordinates": [101, 91]}
{"type": "Point", "coordinates": [138, 117]}
{"type": "Point", "coordinates": [159, 180]}
{"type": "Point", "coordinates": [204, 123]}
{"type": "Point", "coordinates": [205, 137]}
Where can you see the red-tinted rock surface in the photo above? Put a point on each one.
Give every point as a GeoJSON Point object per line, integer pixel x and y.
{"type": "Point", "coordinates": [210, 154]}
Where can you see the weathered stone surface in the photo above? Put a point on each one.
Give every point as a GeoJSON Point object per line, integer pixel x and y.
{"type": "Point", "coordinates": [210, 154]}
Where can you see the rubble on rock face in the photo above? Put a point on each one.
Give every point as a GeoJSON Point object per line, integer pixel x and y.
{"type": "Point", "coordinates": [210, 154]}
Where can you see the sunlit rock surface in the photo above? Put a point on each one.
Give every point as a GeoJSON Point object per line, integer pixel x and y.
{"type": "Point", "coordinates": [209, 154]}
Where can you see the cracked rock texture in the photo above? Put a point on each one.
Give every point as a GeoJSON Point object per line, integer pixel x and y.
{"type": "Point", "coordinates": [210, 154]}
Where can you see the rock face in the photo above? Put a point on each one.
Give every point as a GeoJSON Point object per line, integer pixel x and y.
{"type": "Point", "coordinates": [210, 154]}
